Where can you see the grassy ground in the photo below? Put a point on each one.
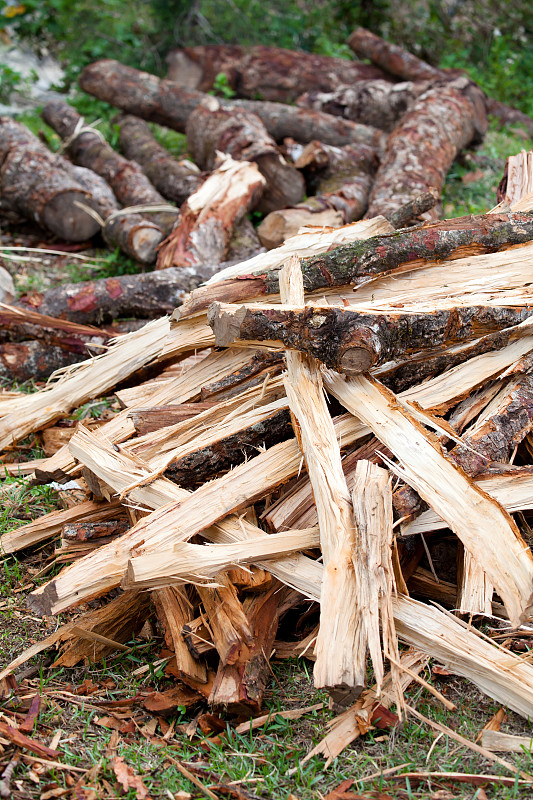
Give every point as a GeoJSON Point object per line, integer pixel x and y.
{"type": "Point", "coordinates": [267, 762]}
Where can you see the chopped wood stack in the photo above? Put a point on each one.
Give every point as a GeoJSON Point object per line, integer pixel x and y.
{"type": "Point", "coordinates": [310, 425]}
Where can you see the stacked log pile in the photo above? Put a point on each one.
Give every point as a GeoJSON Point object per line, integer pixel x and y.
{"type": "Point", "coordinates": [298, 442]}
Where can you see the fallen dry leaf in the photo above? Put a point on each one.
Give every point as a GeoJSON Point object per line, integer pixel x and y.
{"type": "Point", "coordinates": [128, 779]}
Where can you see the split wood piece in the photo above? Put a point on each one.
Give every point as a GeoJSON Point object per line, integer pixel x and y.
{"type": "Point", "coordinates": [497, 672]}
{"type": "Point", "coordinates": [105, 568]}
{"type": "Point", "coordinates": [213, 128]}
{"type": "Point", "coordinates": [506, 742]}
{"type": "Point", "coordinates": [226, 620]}
{"type": "Point", "coordinates": [512, 489]}
{"type": "Point", "coordinates": [87, 380]}
{"type": "Point", "coordinates": [167, 103]}
{"type": "Point", "coordinates": [115, 622]}
{"type": "Point", "coordinates": [296, 507]}
{"type": "Point", "coordinates": [148, 420]}
{"type": "Point", "coordinates": [486, 530]}
{"type": "Point", "coordinates": [424, 144]}
{"type": "Point", "coordinates": [339, 180]}
{"type": "Point", "coordinates": [517, 180]}
{"type": "Point", "coordinates": [240, 686]}
{"type": "Point", "coordinates": [89, 531]}
{"type": "Point", "coordinates": [193, 562]}
{"type": "Point", "coordinates": [262, 367]}
{"type": "Point", "coordinates": [357, 720]}
{"type": "Point", "coordinates": [378, 103]}
{"type": "Point", "coordinates": [422, 583]}
{"type": "Point", "coordinates": [24, 361]}
{"type": "Point", "coordinates": [176, 180]}
{"type": "Point", "coordinates": [340, 661]}
{"type": "Point", "coordinates": [209, 427]}
{"type": "Point", "coordinates": [504, 423]}
{"type": "Point", "coordinates": [174, 611]}
{"type": "Point", "coordinates": [469, 408]}
{"type": "Point", "coordinates": [41, 187]}
{"type": "Point", "coordinates": [347, 262]}
{"type": "Point", "coordinates": [17, 324]}
{"type": "Point", "coordinates": [89, 149]}
{"type": "Point", "coordinates": [135, 235]}
{"type": "Point", "coordinates": [207, 219]}
{"type": "Point", "coordinates": [181, 388]}
{"type": "Point", "coordinates": [272, 73]}
{"type": "Point", "coordinates": [475, 590]}
{"type": "Point", "coordinates": [197, 637]}
{"type": "Point", "coordinates": [51, 524]}
{"type": "Point", "coordinates": [374, 573]}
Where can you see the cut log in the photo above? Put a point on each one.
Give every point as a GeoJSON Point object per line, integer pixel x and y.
{"type": "Point", "coordinates": [424, 144]}
{"type": "Point", "coordinates": [206, 220]}
{"type": "Point", "coordinates": [272, 73]}
{"type": "Point", "coordinates": [346, 262]}
{"type": "Point", "coordinates": [41, 187]}
{"type": "Point", "coordinates": [174, 611]}
{"type": "Point", "coordinates": [132, 233]}
{"type": "Point", "coordinates": [176, 180]}
{"type": "Point", "coordinates": [351, 341]}
{"type": "Point", "coordinates": [486, 530]}
{"type": "Point", "coordinates": [19, 324]}
{"type": "Point", "coordinates": [378, 103]}
{"type": "Point", "coordinates": [167, 103]}
{"type": "Point", "coordinates": [33, 360]}
{"type": "Point", "coordinates": [212, 128]}
{"type": "Point", "coordinates": [400, 63]}
{"type": "Point", "coordinates": [339, 180]}
{"type": "Point", "coordinates": [391, 58]}
{"type": "Point", "coordinates": [340, 661]}
{"type": "Point", "coordinates": [89, 149]}
{"type": "Point", "coordinates": [145, 295]}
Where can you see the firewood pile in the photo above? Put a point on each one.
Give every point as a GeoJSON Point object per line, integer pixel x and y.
{"type": "Point", "coordinates": [326, 449]}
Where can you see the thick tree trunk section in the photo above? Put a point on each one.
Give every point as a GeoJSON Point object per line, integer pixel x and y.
{"type": "Point", "coordinates": [145, 296]}
{"type": "Point", "coordinates": [391, 58]}
{"type": "Point", "coordinates": [41, 186]}
{"type": "Point", "coordinates": [176, 180]}
{"type": "Point", "coordinates": [272, 73]}
{"type": "Point", "coordinates": [378, 103]}
{"type": "Point", "coordinates": [167, 103]}
{"type": "Point", "coordinates": [212, 129]}
{"type": "Point", "coordinates": [423, 146]}
{"type": "Point", "coordinates": [87, 149]}
{"type": "Point", "coordinates": [352, 342]}
{"type": "Point", "coordinates": [207, 220]}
